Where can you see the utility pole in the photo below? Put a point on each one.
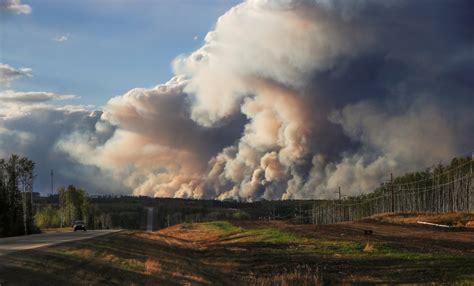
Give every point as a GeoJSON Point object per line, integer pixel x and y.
{"type": "Point", "coordinates": [31, 191]}
{"type": "Point", "coordinates": [391, 188]}
{"type": "Point", "coordinates": [61, 208]}
{"type": "Point", "coordinates": [52, 180]}
{"type": "Point", "coordinates": [469, 188]}
{"type": "Point", "coordinates": [300, 214]}
{"type": "Point", "coordinates": [24, 207]}
{"type": "Point", "coordinates": [340, 203]}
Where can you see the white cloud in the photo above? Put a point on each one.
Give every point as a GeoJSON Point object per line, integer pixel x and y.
{"type": "Point", "coordinates": [31, 97]}
{"type": "Point", "coordinates": [18, 104]}
{"type": "Point", "coordinates": [60, 39]}
{"type": "Point", "coordinates": [14, 6]}
{"type": "Point", "coordinates": [8, 73]}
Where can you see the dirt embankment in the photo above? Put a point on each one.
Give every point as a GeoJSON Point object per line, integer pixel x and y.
{"type": "Point", "coordinates": [255, 253]}
{"type": "Point", "coordinates": [457, 220]}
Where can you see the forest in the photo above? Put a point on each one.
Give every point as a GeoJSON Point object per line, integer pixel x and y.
{"type": "Point", "coordinates": [22, 213]}
{"type": "Point", "coordinates": [16, 196]}
{"type": "Point", "coordinates": [441, 188]}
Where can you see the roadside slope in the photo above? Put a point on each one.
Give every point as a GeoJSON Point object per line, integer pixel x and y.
{"type": "Point", "coordinates": [263, 253]}
{"type": "Point", "coordinates": [26, 242]}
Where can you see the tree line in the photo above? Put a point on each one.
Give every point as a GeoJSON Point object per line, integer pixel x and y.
{"type": "Point", "coordinates": [21, 215]}
{"type": "Point", "coordinates": [442, 188]}
{"type": "Point", "coordinates": [16, 196]}
{"type": "Point", "coordinates": [71, 204]}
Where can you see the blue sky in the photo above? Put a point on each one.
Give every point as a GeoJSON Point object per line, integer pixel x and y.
{"type": "Point", "coordinates": [112, 46]}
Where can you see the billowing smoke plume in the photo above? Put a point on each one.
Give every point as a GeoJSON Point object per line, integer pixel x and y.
{"type": "Point", "coordinates": [294, 98]}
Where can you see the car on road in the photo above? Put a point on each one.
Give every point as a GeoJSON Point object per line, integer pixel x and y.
{"type": "Point", "coordinates": [79, 225]}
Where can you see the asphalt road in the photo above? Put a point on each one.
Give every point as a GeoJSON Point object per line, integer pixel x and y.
{"type": "Point", "coordinates": [18, 243]}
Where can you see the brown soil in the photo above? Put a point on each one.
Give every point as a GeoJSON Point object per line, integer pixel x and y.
{"type": "Point", "coordinates": [411, 237]}
{"type": "Point", "coordinates": [198, 255]}
{"type": "Point", "coordinates": [449, 219]}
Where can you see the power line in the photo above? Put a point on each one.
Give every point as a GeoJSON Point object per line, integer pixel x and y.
{"type": "Point", "coordinates": [449, 190]}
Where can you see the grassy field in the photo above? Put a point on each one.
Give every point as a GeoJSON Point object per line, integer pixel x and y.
{"type": "Point", "coordinates": [250, 253]}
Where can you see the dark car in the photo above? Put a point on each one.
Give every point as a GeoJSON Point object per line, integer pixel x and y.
{"type": "Point", "coordinates": [79, 225]}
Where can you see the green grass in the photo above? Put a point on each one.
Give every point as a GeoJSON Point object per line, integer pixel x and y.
{"type": "Point", "coordinates": [268, 235]}
{"type": "Point", "coordinates": [271, 235]}
{"type": "Point", "coordinates": [352, 249]}
{"type": "Point", "coordinates": [343, 248]}
{"type": "Point", "coordinates": [224, 228]}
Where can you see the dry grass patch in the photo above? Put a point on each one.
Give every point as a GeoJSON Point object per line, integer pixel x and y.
{"type": "Point", "coordinates": [81, 253]}
{"type": "Point", "coordinates": [369, 248]}
{"type": "Point", "coordinates": [110, 258]}
{"type": "Point", "coordinates": [456, 219]}
{"type": "Point", "coordinates": [106, 258]}
{"type": "Point", "coordinates": [187, 278]}
{"type": "Point", "coordinates": [303, 275]}
{"type": "Point", "coordinates": [193, 233]}
{"type": "Point", "coordinates": [152, 266]}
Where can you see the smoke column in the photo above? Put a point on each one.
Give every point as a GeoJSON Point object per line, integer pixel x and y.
{"type": "Point", "coordinates": [290, 99]}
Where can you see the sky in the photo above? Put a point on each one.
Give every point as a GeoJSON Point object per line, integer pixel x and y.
{"type": "Point", "coordinates": [99, 49]}
{"type": "Point", "coordinates": [259, 99]}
